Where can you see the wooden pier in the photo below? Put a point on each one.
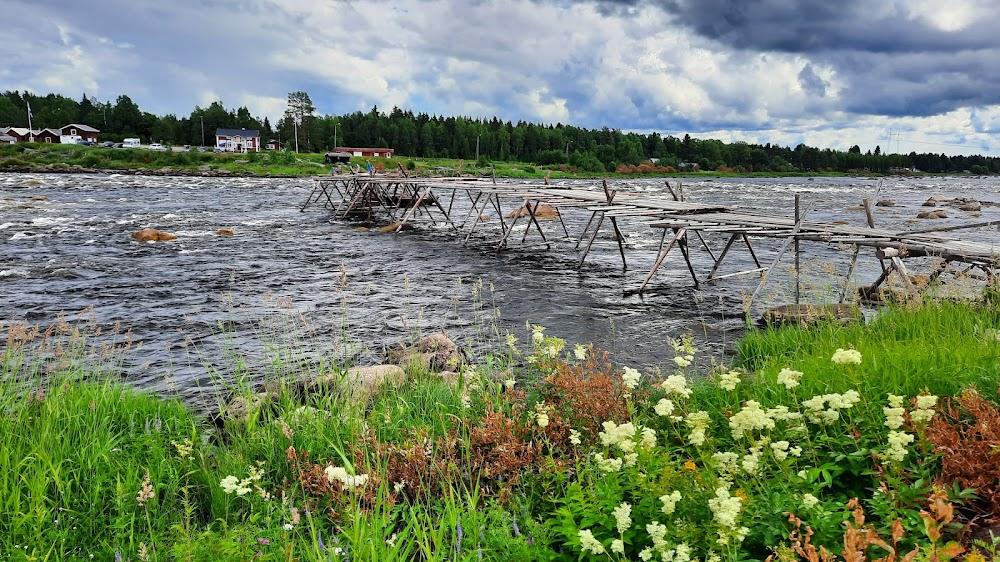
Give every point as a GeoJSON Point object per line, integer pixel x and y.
{"type": "Point", "coordinates": [460, 204]}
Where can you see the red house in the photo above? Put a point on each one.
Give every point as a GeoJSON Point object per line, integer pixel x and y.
{"type": "Point", "coordinates": [20, 134]}
{"type": "Point", "coordinates": [367, 152]}
{"type": "Point", "coordinates": [48, 135]}
{"type": "Point", "coordinates": [237, 140]}
{"type": "Point", "coordinates": [85, 132]}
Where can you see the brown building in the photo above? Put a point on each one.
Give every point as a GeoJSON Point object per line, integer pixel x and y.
{"type": "Point", "coordinates": [48, 135]}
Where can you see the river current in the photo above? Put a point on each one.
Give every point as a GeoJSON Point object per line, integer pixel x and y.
{"type": "Point", "coordinates": [295, 281]}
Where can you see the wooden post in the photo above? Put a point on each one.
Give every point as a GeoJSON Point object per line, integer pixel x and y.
{"type": "Point", "coordinates": [797, 261]}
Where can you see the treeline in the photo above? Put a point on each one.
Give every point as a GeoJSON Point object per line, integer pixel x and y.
{"type": "Point", "coordinates": [422, 135]}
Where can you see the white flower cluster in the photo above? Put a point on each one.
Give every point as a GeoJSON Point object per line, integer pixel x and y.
{"type": "Point", "coordinates": [657, 533]}
{"type": "Point", "coordinates": [340, 474]}
{"type": "Point", "coordinates": [894, 412]}
{"type": "Point", "coordinates": [608, 465]}
{"type": "Point", "coordinates": [684, 350]}
{"type": "Point", "coordinates": [664, 407]}
{"type": "Point", "coordinates": [725, 511]}
{"type": "Point", "coordinates": [623, 517]}
{"type": "Point", "coordinates": [729, 380]}
{"type": "Point", "coordinates": [580, 352]}
{"type": "Point", "coordinates": [676, 384]}
{"type": "Point", "coordinates": [782, 449]}
{"type": "Point", "coordinates": [697, 422]}
{"type": "Point", "coordinates": [542, 414]}
{"type": "Point", "coordinates": [751, 418]}
{"type": "Point", "coordinates": [825, 409]}
{"type": "Point", "coordinates": [809, 501]}
{"type": "Point", "coordinates": [846, 357]}
{"type": "Point", "coordinates": [898, 440]}
{"type": "Point", "coordinates": [589, 543]}
{"type": "Point", "coordinates": [789, 378]}
{"type": "Point", "coordinates": [231, 484]}
{"type": "Point", "coordinates": [623, 436]}
{"type": "Point", "coordinates": [630, 378]}
{"type": "Point", "coordinates": [670, 501]}
{"type": "Point", "coordinates": [925, 409]}
{"type": "Point", "coordinates": [574, 437]}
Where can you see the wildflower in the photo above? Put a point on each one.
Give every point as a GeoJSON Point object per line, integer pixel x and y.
{"type": "Point", "coordinates": [588, 542]}
{"type": "Point", "coordinates": [630, 459]}
{"type": "Point", "coordinates": [622, 515]}
{"type": "Point", "coordinates": [648, 438]}
{"type": "Point", "coordinates": [288, 526]}
{"type": "Point", "coordinates": [795, 451]}
{"type": "Point", "coordinates": [509, 384]}
{"type": "Point", "coordinates": [809, 501]}
{"type": "Point", "coordinates": [146, 492]}
{"type": "Point", "coordinates": [682, 362]}
{"type": "Point", "coordinates": [607, 465]}
{"type": "Point", "coordinates": [646, 554]}
{"type": "Point", "coordinates": [750, 418]}
{"type": "Point", "coordinates": [924, 412]}
{"type": "Point", "coordinates": [231, 484]}
{"type": "Point", "coordinates": [894, 412]}
{"type": "Point", "coordinates": [664, 407]}
{"type": "Point", "coordinates": [729, 380]}
{"type": "Point", "coordinates": [726, 464]}
{"type": "Point", "coordinates": [780, 450]}
{"type": "Point", "coordinates": [574, 437]}
{"type": "Point", "coordinates": [537, 334]}
{"type": "Point", "coordinates": [898, 440]}
{"type": "Point", "coordinates": [511, 341]}
{"type": "Point", "coordinates": [466, 401]}
{"type": "Point", "coordinates": [618, 546]}
{"type": "Point", "coordinates": [391, 541]}
{"type": "Point", "coordinates": [698, 423]}
{"type": "Point", "coordinates": [619, 435]}
{"type": "Point", "coordinates": [348, 481]}
{"type": "Point", "coordinates": [657, 531]}
{"type": "Point", "coordinates": [295, 516]}
{"type": "Point", "coordinates": [926, 401]}
{"type": "Point", "coordinates": [580, 352]}
{"type": "Point", "coordinates": [846, 357]}
{"type": "Point", "coordinates": [399, 486]}
{"type": "Point", "coordinates": [143, 552]}
{"type": "Point", "coordinates": [682, 553]}
{"type": "Point", "coordinates": [789, 378]}
{"type": "Point", "coordinates": [630, 378]}
{"type": "Point", "coordinates": [184, 448]}
{"type": "Point", "coordinates": [541, 414]}
{"type": "Point", "coordinates": [751, 461]}
{"type": "Point", "coordinates": [690, 466]}
{"type": "Point", "coordinates": [670, 501]}
{"type": "Point", "coordinates": [676, 384]}
{"type": "Point", "coordinates": [263, 541]}
{"type": "Point", "coordinates": [725, 508]}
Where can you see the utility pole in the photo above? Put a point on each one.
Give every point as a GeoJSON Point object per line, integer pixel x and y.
{"type": "Point", "coordinates": [202, 130]}
{"type": "Point", "coordinates": [335, 136]}
{"type": "Point", "coordinates": [477, 147]}
{"type": "Point", "coordinates": [295, 122]}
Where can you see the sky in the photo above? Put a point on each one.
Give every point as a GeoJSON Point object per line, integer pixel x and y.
{"type": "Point", "coordinates": [905, 75]}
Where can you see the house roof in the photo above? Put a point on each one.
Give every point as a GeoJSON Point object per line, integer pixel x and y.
{"type": "Point", "coordinates": [22, 131]}
{"type": "Point", "coordinates": [56, 132]}
{"type": "Point", "coordinates": [86, 128]}
{"type": "Point", "coordinates": [237, 133]}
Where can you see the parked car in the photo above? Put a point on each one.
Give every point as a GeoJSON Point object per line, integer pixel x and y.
{"type": "Point", "coordinates": [202, 149]}
{"type": "Point", "coordinates": [84, 142]}
{"type": "Point", "coordinates": [156, 146]}
{"type": "Point", "coordinates": [108, 144]}
{"type": "Point", "coordinates": [217, 150]}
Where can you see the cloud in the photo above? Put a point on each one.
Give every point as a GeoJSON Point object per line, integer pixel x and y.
{"type": "Point", "coordinates": [770, 70]}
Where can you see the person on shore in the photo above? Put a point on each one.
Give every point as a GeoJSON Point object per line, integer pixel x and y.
{"type": "Point", "coordinates": [371, 169]}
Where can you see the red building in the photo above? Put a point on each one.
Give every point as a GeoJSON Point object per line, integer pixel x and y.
{"type": "Point", "coordinates": [367, 152]}
{"type": "Point", "coordinates": [48, 135]}
{"type": "Point", "coordinates": [85, 132]}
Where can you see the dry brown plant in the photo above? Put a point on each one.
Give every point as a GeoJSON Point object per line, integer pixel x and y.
{"type": "Point", "coordinates": [966, 433]}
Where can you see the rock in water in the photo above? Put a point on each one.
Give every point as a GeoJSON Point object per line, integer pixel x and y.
{"type": "Point", "coordinates": [152, 235]}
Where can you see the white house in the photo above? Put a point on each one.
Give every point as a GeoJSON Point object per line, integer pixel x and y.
{"type": "Point", "coordinates": [237, 140]}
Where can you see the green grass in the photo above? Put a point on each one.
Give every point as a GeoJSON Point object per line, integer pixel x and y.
{"type": "Point", "coordinates": [76, 445]}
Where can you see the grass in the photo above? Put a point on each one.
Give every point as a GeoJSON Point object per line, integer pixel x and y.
{"type": "Point", "coordinates": [512, 462]}
{"type": "Point", "coordinates": [68, 158]}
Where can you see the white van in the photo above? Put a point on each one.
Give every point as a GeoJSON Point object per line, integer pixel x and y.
{"type": "Point", "coordinates": [130, 143]}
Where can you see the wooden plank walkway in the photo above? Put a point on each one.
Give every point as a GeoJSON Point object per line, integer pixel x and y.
{"type": "Point", "coordinates": [398, 200]}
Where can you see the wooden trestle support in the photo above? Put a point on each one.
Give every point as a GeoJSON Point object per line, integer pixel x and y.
{"type": "Point", "coordinates": [400, 200]}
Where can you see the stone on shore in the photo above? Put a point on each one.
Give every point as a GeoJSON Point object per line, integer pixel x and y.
{"type": "Point", "coordinates": [938, 214]}
{"type": "Point", "coordinates": [435, 353]}
{"type": "Point", "coordinates": [543, 212]}
{"type": "Point", "coordinates": [808, 314]}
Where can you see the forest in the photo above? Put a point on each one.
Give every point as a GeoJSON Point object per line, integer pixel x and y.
{"type": "Point", "coordinates": [419, 135]}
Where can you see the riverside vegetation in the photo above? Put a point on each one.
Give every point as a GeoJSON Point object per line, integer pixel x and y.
{"type": "Point", "coordinates": [864, 442]}
{"type": "Point", "coordinates": [34, 157]}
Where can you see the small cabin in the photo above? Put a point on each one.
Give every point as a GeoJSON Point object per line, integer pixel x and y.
{"type": "Point", "coordinates": [367, 152]}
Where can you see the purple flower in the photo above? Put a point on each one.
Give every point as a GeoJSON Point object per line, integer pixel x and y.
{"type": "Point", "coordinates": [263, 541]}
{"type": "Point", "coordinates": [517, 530]}
{"type": "Point", "coordinates": [319, 541]}
{"type": "Point", "coordinates": [118, 556]}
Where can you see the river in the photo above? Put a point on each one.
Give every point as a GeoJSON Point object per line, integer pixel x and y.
{"type": "Point", "coordinates": [291, 280]}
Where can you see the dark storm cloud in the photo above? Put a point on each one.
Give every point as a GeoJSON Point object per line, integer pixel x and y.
{"type": "Point", "coordinates": [812, 83]}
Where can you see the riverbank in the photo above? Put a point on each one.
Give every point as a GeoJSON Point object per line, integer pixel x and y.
{"type": "Point", "coordinates": [537, 449]}
{"type": "Point", "coordinates": [56, 158]}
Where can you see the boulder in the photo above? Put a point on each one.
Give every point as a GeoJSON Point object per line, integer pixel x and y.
{"type": "Point", "coordinates": [152, 235]}
{"type": "Point", "coordinates": [359, 385]}
{"type": "Point", "coordinates": [808, 314]}
{"type": "Point", "coordinates": [396, 226]}
{"type": "Point", "coordinates": [938, 214]}
{"type": "Point", "coordinates": [931, 202]}
{"type": "Point", "coordinates": [435, 352]}
{"type": "Point", "coordinates": [224, 231]}
{"type": "Point", "coordinates": [886, 203]}
{"type": "Point", "coordinates": [973, 206]}
{"type": "Point", "coordinates": [543, 212]}
{"type": "Point", "coordinates": [241, 408]}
